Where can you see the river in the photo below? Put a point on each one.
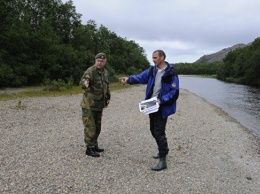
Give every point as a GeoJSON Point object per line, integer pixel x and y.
{"type": "Point", "coordinates": [239, 101]}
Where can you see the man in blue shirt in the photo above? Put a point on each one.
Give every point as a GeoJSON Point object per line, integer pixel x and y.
{"type": "Point", "coordinates": [163, 83]}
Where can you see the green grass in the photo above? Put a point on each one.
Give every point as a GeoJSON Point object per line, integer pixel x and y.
{"type": "Point", "coordinates": [19, 106]}
{"type": "Point", "coordinates": [39, 91]}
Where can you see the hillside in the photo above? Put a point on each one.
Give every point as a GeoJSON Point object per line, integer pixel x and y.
{"type": "Point", "coordinates": [218, 56]}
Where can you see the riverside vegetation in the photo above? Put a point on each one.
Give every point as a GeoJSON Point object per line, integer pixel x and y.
{"type": "Point", "coordinates": [55, 88]}
{"type": "Point", "coordinates": [45, 40]}
{"type": "Point", "coordinates": [241, 65]}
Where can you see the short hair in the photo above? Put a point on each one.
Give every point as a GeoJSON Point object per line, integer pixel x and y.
{"type": "Point", "coordinates": [161, 53]}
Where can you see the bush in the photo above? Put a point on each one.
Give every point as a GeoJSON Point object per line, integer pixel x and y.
{"type": "Point", "coordinates": [53, 85]}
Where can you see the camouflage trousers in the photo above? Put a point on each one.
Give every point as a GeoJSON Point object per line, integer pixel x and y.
{"type": "Point", "coordinates": [92, 126]}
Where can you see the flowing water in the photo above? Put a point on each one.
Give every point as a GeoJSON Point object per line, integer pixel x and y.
{"type": "Point", "coordinates": [239, 101]}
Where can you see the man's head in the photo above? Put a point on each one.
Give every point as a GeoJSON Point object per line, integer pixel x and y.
{"type": "Point", "coordinates": [158, 57]}
{"type": "Point", "coordinates": [100, 60]}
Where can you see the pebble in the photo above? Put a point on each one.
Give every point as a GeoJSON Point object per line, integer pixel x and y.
{"type": "Point", "coordinates": [42, 149]}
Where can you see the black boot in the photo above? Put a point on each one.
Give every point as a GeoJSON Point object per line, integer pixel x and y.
{"type": "Point", "coordinates": [91, 152]}
{"type": "Point", "coordinates": [97, 149]}
{"type": "Point", "coordinates": [160, 165]}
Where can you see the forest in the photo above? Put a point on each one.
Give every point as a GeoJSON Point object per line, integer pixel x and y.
{"type": "Point", "coordinates": [45, 40]}
{"type": "Point", "coordinates": [240, 66]}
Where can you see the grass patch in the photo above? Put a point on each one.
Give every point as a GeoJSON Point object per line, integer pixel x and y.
{"type": "Point", "coordinates": [40, 91]}
{"type": "Point", "coordinates": [19, 106]}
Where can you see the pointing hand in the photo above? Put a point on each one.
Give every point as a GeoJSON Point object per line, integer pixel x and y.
{"type": "Point", "coordinates": [124, 80]}
{"type": "Point", "coordinates": [86, 83]}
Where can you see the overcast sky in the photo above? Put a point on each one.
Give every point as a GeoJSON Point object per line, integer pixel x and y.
{"type": "Point", "coordinates": [184, 29]}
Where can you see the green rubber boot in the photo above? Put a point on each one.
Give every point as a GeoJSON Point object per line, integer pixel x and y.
{"type": "Point", "coordinates": [156, 156]}
{"type": "Point", "coordinates": [160, 165]}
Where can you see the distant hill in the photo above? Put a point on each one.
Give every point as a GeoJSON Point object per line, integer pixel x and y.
{"type": "Point", "coordinates": [218, 56]}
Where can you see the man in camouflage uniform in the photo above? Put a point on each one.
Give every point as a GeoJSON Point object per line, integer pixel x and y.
{"type": "Point", "coordinates": [96, 96]}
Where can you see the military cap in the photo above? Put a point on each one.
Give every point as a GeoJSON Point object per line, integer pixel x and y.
{"type": "Point", "coordinates": [101, 56]}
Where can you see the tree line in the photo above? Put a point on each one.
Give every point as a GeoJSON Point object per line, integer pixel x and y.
{"type": "Point", "coordinates": [240, 66]}
{"type": "Point", "coordinates": [46, 40]}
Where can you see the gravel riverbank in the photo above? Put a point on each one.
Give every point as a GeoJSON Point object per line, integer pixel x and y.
{"type": "Point", "coordinates": [42, 149]}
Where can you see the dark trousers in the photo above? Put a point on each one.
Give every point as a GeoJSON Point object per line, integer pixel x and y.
{"type": "Point", "coordinates": [157, 127]}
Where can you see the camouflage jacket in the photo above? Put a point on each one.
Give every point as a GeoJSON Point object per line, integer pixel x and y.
{"type": "Point", "coordinates": [97, 95]}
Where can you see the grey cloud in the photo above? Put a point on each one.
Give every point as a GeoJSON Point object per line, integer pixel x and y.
{"type": "Point", "coordinates": [207, 25]}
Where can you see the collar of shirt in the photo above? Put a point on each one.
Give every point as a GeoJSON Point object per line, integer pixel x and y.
{"type": "Point", "coordinates": [160, 70]}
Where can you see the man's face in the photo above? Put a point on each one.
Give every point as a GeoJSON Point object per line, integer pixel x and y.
{"type": "Point", "coordinates": [100, 63]}
{"type": "Point", "coordinates": [157, 59]}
